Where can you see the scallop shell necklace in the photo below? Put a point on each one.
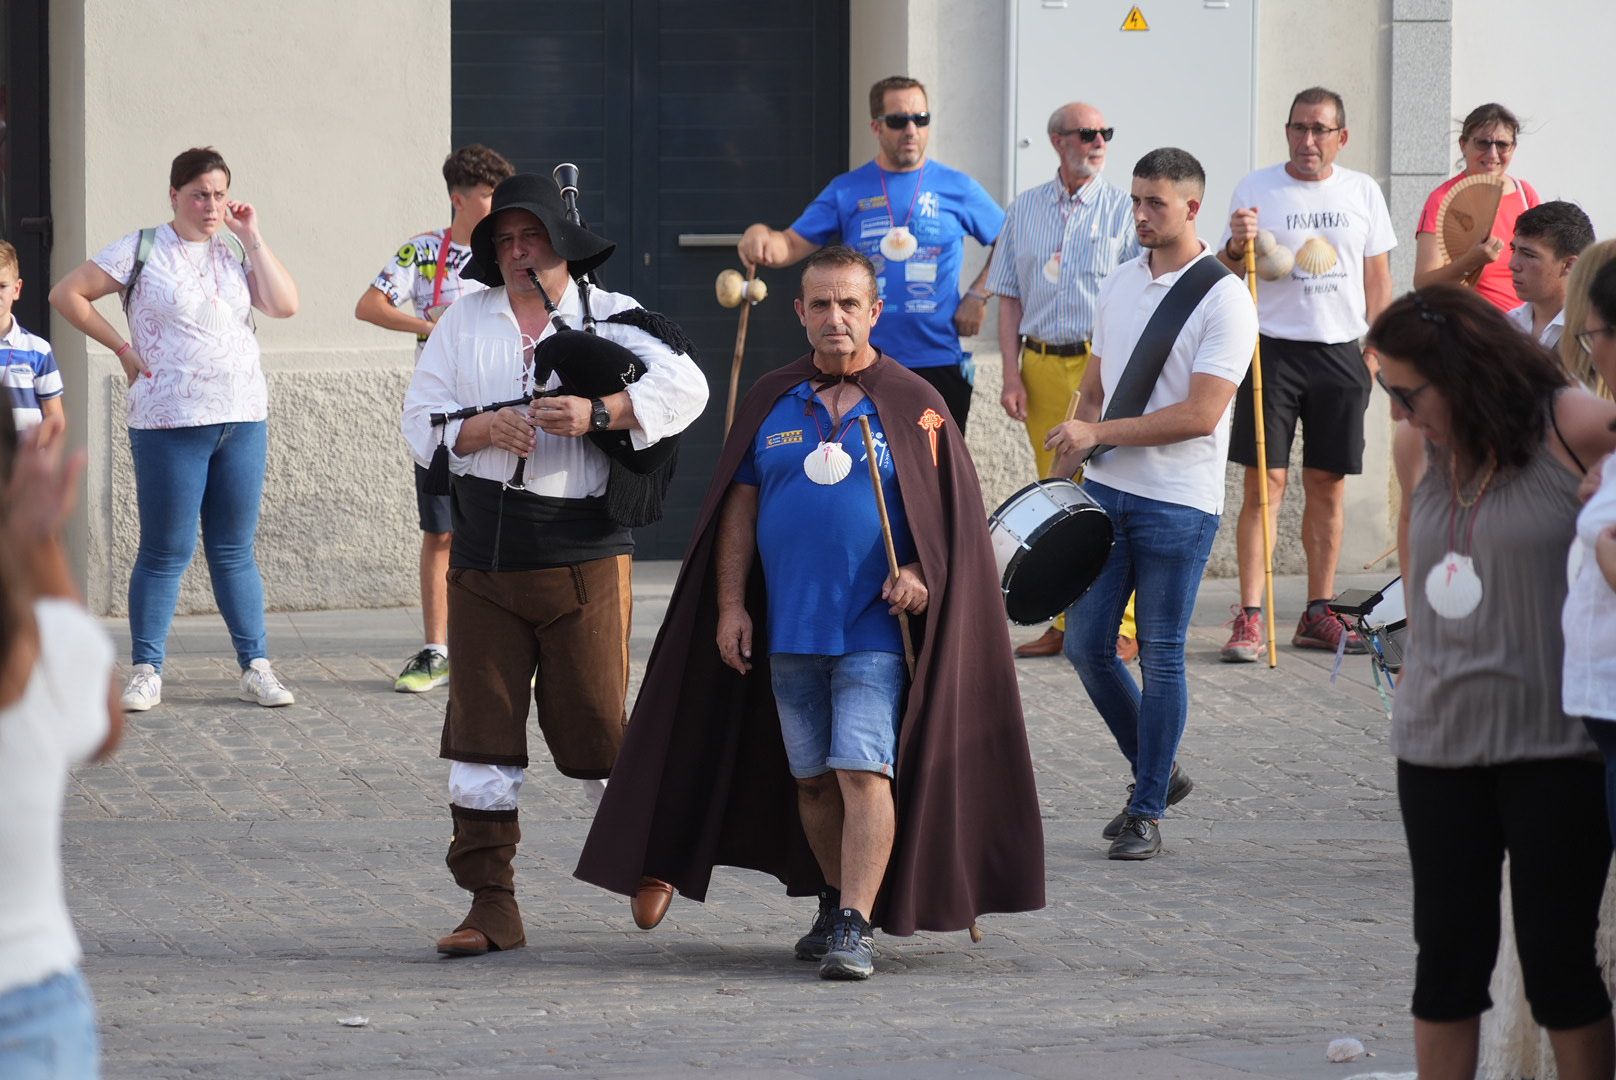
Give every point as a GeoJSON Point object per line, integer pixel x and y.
{"type": "Point", "coordinates": [899, 243]}
{"type": "Point", "coordinates": [828, 463]}
{"type": "Point", "coordinates": [1453, 587]}
{"type": "Point", "coordinates": [209, 312]}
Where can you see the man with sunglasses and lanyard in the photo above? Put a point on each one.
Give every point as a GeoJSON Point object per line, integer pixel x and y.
{"type": "Point", "coordinates": [1059, 241]}
{"type": "Point", "coordinates": [1335, 222]}
{"type": "Point", "coordinates": [909, 216]}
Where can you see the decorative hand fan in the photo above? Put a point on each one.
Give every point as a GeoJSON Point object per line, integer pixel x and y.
{"type": "Point", "coordinates": [1466, 215]}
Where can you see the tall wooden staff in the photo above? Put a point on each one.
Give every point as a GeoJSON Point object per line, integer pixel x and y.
{"type": "Point", "coordinates": [735, 292]}
{"type": "Point", "coordinates": [886, 538]}
{"type": "Point", "coordinates": [1262, 461]}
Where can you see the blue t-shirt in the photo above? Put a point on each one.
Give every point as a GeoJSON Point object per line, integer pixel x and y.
{"type": "Point", "coordinates": [939, 206]}
{"type": "Point", "coordinates": [823, 557]}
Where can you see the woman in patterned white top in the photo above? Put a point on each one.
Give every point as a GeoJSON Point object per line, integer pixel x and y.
{"type": "Point", "coordinates": [197, 407]}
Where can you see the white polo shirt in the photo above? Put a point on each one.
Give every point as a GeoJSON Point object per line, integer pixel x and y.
{"type": "Point", "coordinates": [1217, 339]}
{"type": "Point", "coordinates": [1550, 337]}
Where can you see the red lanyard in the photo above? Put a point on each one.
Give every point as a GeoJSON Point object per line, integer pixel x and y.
{"type": "Point", "coordinates": [913, 196]}
{"type": "Point", "coordinates": [808, 410]}
{"type": "Point", "coordinates": [443, 264]}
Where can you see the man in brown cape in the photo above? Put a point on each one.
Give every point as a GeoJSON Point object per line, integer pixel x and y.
{"type": "Point", "coordinates": [703, 777]}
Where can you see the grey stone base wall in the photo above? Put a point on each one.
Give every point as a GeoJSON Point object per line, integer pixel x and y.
{"type": "Point", "coordinates": [338, 526]}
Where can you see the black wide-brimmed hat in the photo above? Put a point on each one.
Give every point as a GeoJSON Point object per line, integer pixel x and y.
{"type": "Point", "coordinates": [582, 249]}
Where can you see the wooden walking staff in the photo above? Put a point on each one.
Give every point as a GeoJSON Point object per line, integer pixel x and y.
{"type": "Point", "coordinates": [892, 567]}
{"type": "Point", "coordinates": [1262, 462]}
{"type": "Point", "coordinates": [733, 291]}
{"type": "Point", "coordinates": [886, 538]}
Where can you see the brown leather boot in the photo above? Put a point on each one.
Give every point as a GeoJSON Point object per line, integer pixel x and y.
{"type": "Point", "coordinates": [480, 857]}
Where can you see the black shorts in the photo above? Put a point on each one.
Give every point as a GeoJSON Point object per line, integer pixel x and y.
{"type": "Point", "coordinates": [950, 382]}
{"type": "Point", "coordinates": [433, 510]}
{"type": "Point", "coordinates": [1550, 817]}
{"type": "Point", "coordinates": [1326, 387]}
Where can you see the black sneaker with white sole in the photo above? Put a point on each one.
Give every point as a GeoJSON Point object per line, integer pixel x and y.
{"type": "Point", "coordinates": [816, 942]}
{"type": "Point", "coordinates": [852, 948]}
{"type": "Point", "coordinates": [1178, 786]}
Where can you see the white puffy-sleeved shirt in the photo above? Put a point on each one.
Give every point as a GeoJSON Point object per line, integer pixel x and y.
{"type": "Point", "coordinates": [475, 358]}
{"type": "Point", "coordinates": [1589, 619]}
{"type": "Point", "coordinates": [60, 720]}
{"type": "Point", "coordinates": [1217, 339]}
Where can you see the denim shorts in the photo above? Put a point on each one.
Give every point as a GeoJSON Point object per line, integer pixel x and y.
{"type": "Point", "coordinates": [839, 712]}
{"type": "Point", "coordinates": [48, 1029]}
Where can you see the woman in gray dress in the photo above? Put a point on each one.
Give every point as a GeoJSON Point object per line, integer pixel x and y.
{"type": "Point", "coordinates": [1490, 457]}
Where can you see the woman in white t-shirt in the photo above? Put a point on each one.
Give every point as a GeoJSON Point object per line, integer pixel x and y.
{"type": "Point", "coordinates": [57, 708]}
{"type": "Point", "coordinates": [197, 406]}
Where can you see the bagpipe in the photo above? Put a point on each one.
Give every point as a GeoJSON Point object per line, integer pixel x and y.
{"type": "Point", "coordinates": [588, 365]}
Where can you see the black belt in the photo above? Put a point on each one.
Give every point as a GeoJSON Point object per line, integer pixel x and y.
{"type": "Point", "coordinates": [1055, 350]}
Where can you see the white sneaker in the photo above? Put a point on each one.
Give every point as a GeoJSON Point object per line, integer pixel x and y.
{"type": "Point", "coordinates": [145, 689]}
{"type": "Point", "coordinates": [259, 684]}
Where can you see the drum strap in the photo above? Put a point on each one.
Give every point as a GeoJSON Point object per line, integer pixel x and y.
{"type": "Point", "coordinates": [1138, 380]}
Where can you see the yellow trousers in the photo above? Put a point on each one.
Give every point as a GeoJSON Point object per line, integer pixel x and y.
{"type": "Point", "coordinates": [1050, 382]}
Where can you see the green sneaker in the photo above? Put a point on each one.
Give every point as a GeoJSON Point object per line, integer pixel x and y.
{"type": "Point", "coordinates": [426, 670]}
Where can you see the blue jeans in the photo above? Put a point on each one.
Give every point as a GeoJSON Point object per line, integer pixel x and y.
{"type": "Point", "coordinates": [1161, 549]}
{"type": "Point", "coordinates": [1603, 733]}
{"type": "Point", "coordinates": [215, 474]}
{"type": "Point", "coordinates": [47, 1031]}
{"type": "Point", "coordinates": [839, 712]}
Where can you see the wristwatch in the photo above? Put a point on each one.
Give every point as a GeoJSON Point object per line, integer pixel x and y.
{"type": "Point", "coordinates": [600, 418]}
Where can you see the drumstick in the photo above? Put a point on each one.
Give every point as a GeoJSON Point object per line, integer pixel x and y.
{"type": "Point", "coordinates": [1382, 557]}
{"type": "Point", "coordinates": [740, 347]}
{"type": "Point", "coordinates": [886, 538]}
{"type": "Point", "coordinates": [1262, 460]}
{"type": "Point", "coordinates": [1071, 414]}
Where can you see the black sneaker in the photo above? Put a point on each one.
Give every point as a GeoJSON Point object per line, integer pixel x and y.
{"type": "Point", "coordinates": [816, 942]}
{"type": "Point", "coordinates": [1178, 786]}
{"type": "Point", "coordinates": [1139, 839]}
{"type": "Point", "coordinates": [852, 948]}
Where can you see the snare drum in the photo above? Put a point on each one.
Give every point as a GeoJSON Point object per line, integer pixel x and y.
{"type": "Point", "coordinates": [1386, 621]}
{"type": "Point", "coordinates": [1050, 541]}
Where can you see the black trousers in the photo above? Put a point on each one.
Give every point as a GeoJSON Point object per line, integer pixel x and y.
{"type": "Point", "coordinates": [1550, 817]}
{"type": "Point", "coordinates": [951, 383]}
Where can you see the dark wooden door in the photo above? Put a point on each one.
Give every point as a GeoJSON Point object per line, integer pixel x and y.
{"type": "Point", "coordinates": [688, 121]}
{"type": "Point", "coordinates": [25, 154]}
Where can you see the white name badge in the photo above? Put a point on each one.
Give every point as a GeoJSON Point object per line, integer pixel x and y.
{"type": "Point", "coordinates": [916, 270]}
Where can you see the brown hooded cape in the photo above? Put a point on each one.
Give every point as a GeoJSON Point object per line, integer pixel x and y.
{"type": "Point", "coordinates": [702, 778]}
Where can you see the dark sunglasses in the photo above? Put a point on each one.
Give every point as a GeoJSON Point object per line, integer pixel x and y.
{"type": "Point", "coordinates": [897, 121]}
{"type": "Point", "coordinates": [1500, 145]}
{"type": "Point", "coordinates": [1090, 134]}
{"type": "Point", "coordinates": [1403, 398]}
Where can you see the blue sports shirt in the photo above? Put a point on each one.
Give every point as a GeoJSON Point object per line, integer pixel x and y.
{"type": "Point", "coordinates": [820, 544]}
{"type": "Point", "coordinates": [939, 206]}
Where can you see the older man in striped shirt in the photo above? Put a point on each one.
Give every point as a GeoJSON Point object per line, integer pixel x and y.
{"type": "Point", "coordinates": [1059, 241]}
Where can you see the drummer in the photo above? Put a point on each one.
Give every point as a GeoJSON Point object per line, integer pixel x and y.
{"type": "Point", "coordinates": [1163, 482]}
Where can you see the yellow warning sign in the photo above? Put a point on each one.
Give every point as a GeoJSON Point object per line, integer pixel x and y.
{"type": "Point", "coordinates": [1135, 20]}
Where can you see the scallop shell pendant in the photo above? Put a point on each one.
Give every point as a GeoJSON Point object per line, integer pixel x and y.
{"type": "Point", "coordinates": [212, 315]}
{"type": "Point", "coordinates": [1452, 586]}
{"type": "Point", "coordinates": [827, 463]}
{"type": "Point", "coordinates": [899, 243]}
{"type": "Point", "coordinates": [1316, 256]}
{"type": "Point", "coordinates": [1052, 269]}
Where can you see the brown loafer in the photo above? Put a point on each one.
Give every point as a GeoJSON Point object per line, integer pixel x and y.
{"type": "Point", "coordinates": [1048, 644]}
{"type": "Point", "coordinates": [467, 942]}
{"type": "Point", "coordinates": [1127, 649]}
{"type": "Point", "coordinates": [650, 903]}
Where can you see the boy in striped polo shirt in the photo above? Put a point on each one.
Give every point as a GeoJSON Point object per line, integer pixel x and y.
{"type": "Point", "coordinates": [31, 377]}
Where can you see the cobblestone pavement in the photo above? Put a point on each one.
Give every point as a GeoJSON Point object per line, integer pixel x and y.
{"type": "Point", "coordinates": [244, 879]}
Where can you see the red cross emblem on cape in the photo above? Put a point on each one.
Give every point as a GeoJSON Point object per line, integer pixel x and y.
{"type": "Point", "coordinates": [930, 421]}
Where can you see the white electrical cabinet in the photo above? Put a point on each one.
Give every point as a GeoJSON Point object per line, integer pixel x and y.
{"type": "Point", "coordinates": [1184, 78]}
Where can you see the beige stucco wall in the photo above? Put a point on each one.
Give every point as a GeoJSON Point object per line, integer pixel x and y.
{"type": "Point", "coordinates": [307, 102]}
{"type": "Point", "coordinates": [958, 48]}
